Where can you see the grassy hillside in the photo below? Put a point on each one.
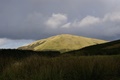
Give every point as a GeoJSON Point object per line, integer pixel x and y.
{"type": "Point", "coordinates": [110, 48]}
{"type": "Point", "coordinates": [65, 67]}
{"type": "Point", "coordinates": [62, 43]}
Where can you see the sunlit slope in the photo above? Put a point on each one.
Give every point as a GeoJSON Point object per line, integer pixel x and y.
{"type": "Point", "coordinates": [62, 43]}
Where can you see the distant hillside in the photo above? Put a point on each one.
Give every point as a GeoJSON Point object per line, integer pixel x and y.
{"type": "Point", "coordinates": [18, 54]}
{"type": "Point", "coordinates": [62, 43]}
{"type": "Point", "coordinates": [109, 48]}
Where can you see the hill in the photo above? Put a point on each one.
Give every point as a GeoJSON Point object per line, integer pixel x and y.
{"type": "Point", "coordinates": [62, 43]}
{"type": "Point", "coordinates": [109, 48]}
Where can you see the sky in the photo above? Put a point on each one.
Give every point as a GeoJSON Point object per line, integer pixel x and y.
{"type": "Point", "coordinates": [24, 21]}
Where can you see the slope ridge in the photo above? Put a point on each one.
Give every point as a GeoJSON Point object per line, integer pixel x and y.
{"type": "Point", "coordinates": [109, 48]}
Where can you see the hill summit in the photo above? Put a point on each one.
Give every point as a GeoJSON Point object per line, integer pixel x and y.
{"type": "Point", "coordinates": [62, 43]}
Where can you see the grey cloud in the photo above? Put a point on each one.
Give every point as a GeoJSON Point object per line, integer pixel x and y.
{"type": "Point", "coordinates": [25, 19]}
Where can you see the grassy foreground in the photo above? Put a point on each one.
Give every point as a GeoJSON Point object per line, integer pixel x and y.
{"type": "Point", "coordinates": [66, 67]}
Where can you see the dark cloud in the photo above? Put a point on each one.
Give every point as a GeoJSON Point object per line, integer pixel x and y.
{"type": "Point", "coordinates": [26, 19]}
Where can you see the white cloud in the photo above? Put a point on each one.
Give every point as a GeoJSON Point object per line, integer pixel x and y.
{"type": "Point", "coordinates": [108, 26]}
{"type": "Point", "coordinates": [9, 43]}
{"type": "Point", "coordinates": [3, 41]}
{"type": "Point", "coordinates": [89, 20]}
{"type": "Point", "coordinates": [112, 17]}
{"type": "Point", "coordinates": [56, 20]}
{"type": "Point", "coordinates": [92, 20]}
{"type": "Point", "coordinates": [67, 25]}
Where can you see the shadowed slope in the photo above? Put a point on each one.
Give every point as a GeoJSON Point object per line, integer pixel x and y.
{"type": "Point", "coordinates": [109, 48]}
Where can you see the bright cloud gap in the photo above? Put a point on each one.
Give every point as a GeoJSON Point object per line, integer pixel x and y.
{"type": "Point", "coordinates": [6, 43]}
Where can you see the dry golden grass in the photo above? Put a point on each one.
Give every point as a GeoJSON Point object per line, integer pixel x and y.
{"type": "Point", "coordinates": [62, 43]}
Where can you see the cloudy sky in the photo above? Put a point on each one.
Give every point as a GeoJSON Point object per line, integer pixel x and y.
{"type": "Point", "coordinates": [24, 21]}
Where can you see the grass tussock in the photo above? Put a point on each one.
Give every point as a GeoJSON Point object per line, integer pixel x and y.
{"type": "Point", "coordinates": [67, 67]}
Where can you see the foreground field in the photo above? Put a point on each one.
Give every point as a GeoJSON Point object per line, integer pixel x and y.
{"type": "Point", "coordinates": [64, 67]}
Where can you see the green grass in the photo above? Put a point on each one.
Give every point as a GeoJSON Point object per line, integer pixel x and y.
{"type": "Point", "coordinates": [65, 67]}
